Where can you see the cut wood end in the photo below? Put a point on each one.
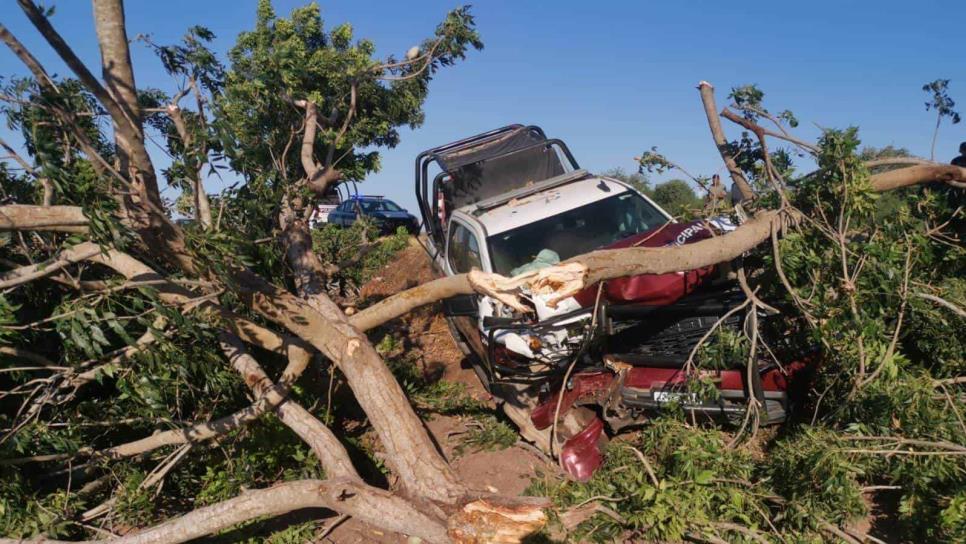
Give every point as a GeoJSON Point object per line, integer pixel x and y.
{"type": "Point", "coordinates": [562, 281]}
{"type": "Point", "coordinates": [484, 522]}
{"type": "Point", "coordinates": [500, 287]}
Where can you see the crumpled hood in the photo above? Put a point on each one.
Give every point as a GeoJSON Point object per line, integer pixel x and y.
{"type": "Point", "coordinates": [654, 289]}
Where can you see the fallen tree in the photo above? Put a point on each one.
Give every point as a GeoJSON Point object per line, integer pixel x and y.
{"type": "Point", "coordinates": [224, 298]}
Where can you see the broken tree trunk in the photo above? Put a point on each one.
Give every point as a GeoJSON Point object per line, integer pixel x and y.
{"type": "Point", "coordinates": [409, 450]}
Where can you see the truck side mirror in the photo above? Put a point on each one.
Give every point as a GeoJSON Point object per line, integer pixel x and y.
{"type": "Point", "coordinates": [460, 305]}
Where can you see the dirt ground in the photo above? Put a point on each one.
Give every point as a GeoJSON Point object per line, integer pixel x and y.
{"type": "Point", "coordinates": [506, 471]}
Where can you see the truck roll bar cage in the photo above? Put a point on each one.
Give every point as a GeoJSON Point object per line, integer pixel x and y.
{"type": "Point", "coordinates": [427, 195]}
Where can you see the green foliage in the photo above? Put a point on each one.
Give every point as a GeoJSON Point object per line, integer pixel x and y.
{"type": "Point", "coordinates": [357, 250]}
{"type": "Point", "coordinates": [819, 480]}
{"type": "Point", "coordinates": [748, 99]}
{"type": "Point", "coordinates": [287, 59]}
{"type": "Point", "coordinates": [677, 197]}
{"type": "Point", "coordinates": [939, 100]}
{"type": "Point", "coordinates": [21, 518]}
{"type": "Point", "coordinates": [699, 484]}
{"type": "Point", "coordinates": [878, 301]}
{"type": "Point", "coordinates": [637, 180]}
{"type": "Point", "coordinates": [486, 433]}
{"type": "Point", "coordinates": [181, 378]}
{"type": "Point", "coordinates": [652, 161]}
{"type": "Point", "coordinates": [252, 464]}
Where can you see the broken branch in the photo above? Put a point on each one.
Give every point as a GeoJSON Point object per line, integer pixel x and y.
{"type": "Point", "coordinates": [717, 133]}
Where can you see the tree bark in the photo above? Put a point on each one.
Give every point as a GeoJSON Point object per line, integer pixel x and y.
{"type": "Point", "coordinates": [118, 76]}
{"type": "Point", "coordinates": [319, 178]}
{"type": "Point", "coordinates": [915, 175]}
{"type": "Point", "coordinates": [194, 164]}
{"type": "Point", "coordinates": [326, 447]}
{"type": "Point", "coordinates": [346, 496]}
{"type": "Point", "coordinates": [139, 196]}
{"type": "Point", "coordinates": [406, 301]}
{"type": "Point", "coordinates": [42, 218]}
{"type": "Point", "coordinates": [717, 133]}
{"type": "Point", "coordinates": [409, 450]}
{"type": "Point", "coordinates": [308, 273]}
{"type": "Point", "coordinates": [24, 274]}
{"type": "Point", "coordinates": [313, 316]}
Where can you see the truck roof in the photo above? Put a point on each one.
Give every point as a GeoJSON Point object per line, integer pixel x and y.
{"type": "Point", "coordinates": [547, 203]}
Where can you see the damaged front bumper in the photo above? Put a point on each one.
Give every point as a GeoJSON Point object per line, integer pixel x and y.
{"type": "Point", "coordinates": [621, 394]}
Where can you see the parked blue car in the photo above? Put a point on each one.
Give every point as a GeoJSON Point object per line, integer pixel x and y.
{"type": "Point", "coordinates": [386, 214]}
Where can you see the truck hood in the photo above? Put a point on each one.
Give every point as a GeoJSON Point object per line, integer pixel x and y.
{"type": "Point", "coordinates": [654, 289]}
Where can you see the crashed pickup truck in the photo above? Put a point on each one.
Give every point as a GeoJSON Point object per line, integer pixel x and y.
{"type": "Point", "coordinates": [511, 201]}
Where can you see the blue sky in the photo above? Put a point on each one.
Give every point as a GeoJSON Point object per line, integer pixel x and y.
{"type": "Point", "coordinates": [613, 78]}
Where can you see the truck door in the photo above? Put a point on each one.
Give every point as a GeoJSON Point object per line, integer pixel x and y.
{"type": "Point", "coordinates": [462, 255]}
{"type": "Point", "coordinates": [336, 215]}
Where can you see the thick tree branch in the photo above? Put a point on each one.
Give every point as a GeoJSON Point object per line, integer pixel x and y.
{"type": "Point", "coordinates": [582, 271]}
{"type": "Point", "coordinates": [201, 204]}
{"type": "Point", "coordinates": [915, 175]}
{"type": "Point", "coordinates": [346, 496]}
{"type": "Point", "coordinates": [67, 257]}
{"type": "Point", "coordinates": [409, 449]}
{"type": "Point", "coordinates": [711, 111]}
{"type": "Point", "coordinates": [761, 131]}
{"type": "Point", "coordinates": [576, 274]}
{"type": "Point", "coordinates": [318, 178]}
{"type": "Point", "coordinates": [42, 218]}
{"type": "Point", "coordinates": [494, 285]}
{"type": "Point", "coordinates": [307, 151]}
{"type": "Point", "coordinates": [40, 22]}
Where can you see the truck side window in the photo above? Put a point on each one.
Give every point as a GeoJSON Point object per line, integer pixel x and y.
{"type": "Point", "coordinates": [464, 250]}
{"type": "Point", "coordinates": [472, 252]}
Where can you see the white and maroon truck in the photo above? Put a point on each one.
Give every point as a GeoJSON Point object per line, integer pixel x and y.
{"type": "Point", "coordinates": [512, 200]}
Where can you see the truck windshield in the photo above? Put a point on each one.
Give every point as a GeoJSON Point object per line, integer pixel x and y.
{"type": "Point", "coordinates": [580, 230]}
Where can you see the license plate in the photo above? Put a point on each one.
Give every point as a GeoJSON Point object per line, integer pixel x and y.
{"type": "Point", "coordinates": [674, 396]}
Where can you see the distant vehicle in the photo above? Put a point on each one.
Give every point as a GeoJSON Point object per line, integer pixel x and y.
{"type": "Point", "coordinates": [386, 214]}
{"type": "Point", "coordinates": [320, 215]}
{"type": "Point", "coordinates": [511, 201]}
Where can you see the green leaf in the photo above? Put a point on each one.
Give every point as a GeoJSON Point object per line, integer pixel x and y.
{"type": "Point", "coordinates": [704, 477]}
